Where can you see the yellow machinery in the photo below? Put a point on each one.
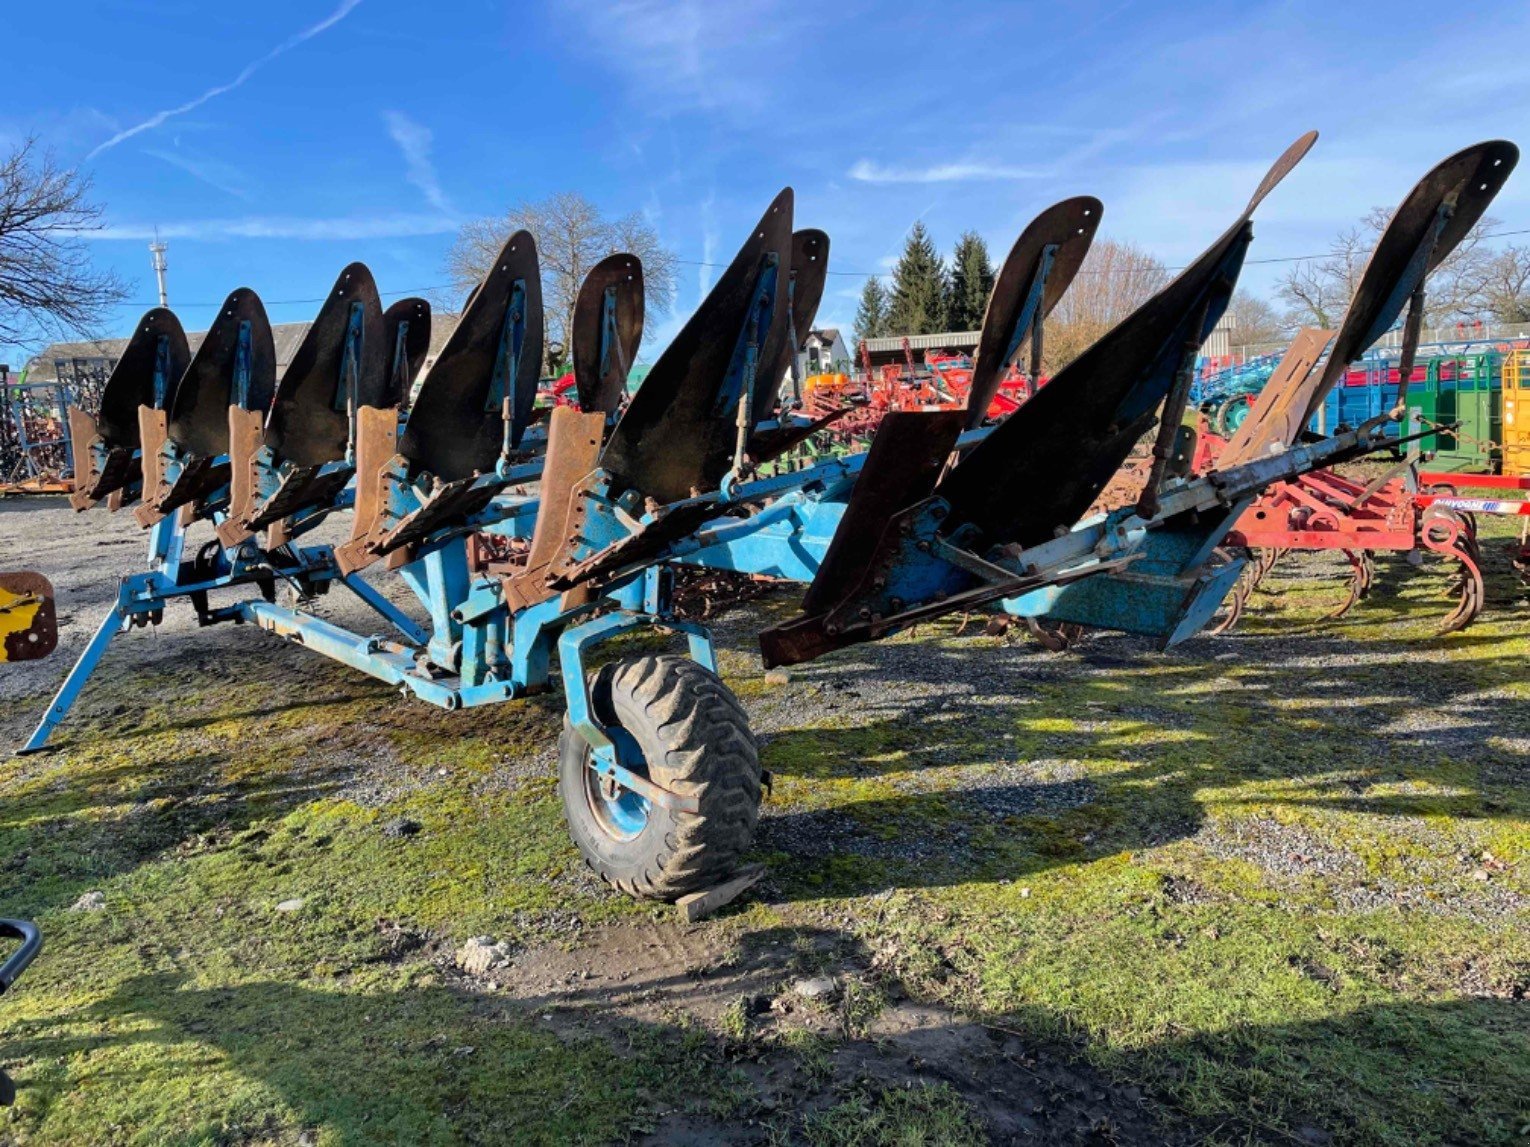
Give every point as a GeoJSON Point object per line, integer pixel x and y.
{"type": "Point", "coordinates": [28, 625]}
{"type": "Point", "coordinates": [1516, 411]}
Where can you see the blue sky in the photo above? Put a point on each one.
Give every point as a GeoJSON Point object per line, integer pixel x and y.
{"type": "Point", "coordinates": [272, 143]}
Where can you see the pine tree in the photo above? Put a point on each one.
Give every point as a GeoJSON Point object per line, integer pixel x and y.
{"type": "Point", "coordinates": [871, 316]}
{"type": "Point", "coordinates": [918, 304]}
{"type": "Point", "coordinates": [971, 283]}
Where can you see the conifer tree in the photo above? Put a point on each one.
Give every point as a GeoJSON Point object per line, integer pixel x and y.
{"type": "Point", "coordinates": [918, 305]}
{"type": "Point", "coordinates": [871, 315]}
{"type": "Point", "coordinates": [971, 283]}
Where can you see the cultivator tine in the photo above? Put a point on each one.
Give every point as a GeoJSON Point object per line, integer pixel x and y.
{"type": "Point", "coordinates": [1237, 598]}
{"type": "Point", "coordinates": [1072, 436]}
{"type": "Point", "coordinates": [105, 446]}
{"type": "Point", "coordinates": [234, 366]}
{"type": "Point", "coordinates": [406, 338]}
{"type": "Point", "coordinates": [1361, 572]}
{"type": "Point", "coordinates": [1445, 532]}
{"type": "Point", "coordinates": [573, 452]}
{"type": "Point", "coordinates": [28, 624]}
{"type": "Point", "coordinates": [1035, 276]}
{"type": "Point", "coordinates": [678, 434]}
{"type": "Point", "coordinates": [606, 332]}
{"type": "Point", "coordinates": [476, 401]}
{"type": "Point", "coordinates": [902, 467]}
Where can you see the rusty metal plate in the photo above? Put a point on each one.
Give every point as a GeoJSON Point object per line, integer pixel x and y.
{"type": "Point", "coordinates": [406, 356]}
{"type": "Point", "coordinates": [601, 384]}
{"type": "Point", "coordinates": [901, 468]}
{"type": "Point", "coordinates": [454, 430]}
{"type": "Point", "coordinates": [198, 478]}
{"type": "Point", "coordinates": [1068, 226]}
{"type": "Point", "coordinates": [310, 422]}
{"type": "Point", "coordinates": [450, 505]}
{"type": "Point", "coordinates": [91, 485]}
{"type": "Point", "coordinates": [28, 624]}
{"type": "Point", "coordinates": [153, 429]}
{"type": "Point", "coordinates": [131, 383]}
{"type": "Point", "coordinates": [199, 413]}
{"type": "Point", "coordinates": [244, 435]}
{"type": "Point", "coordinates": [1044, 466]}
{"type": "Point", "coordinates": [376, 445]}
{"type": "Point", "coordinates": [573, 451]}
{"type": "Point", "coordinates": [671, 439]}
{"type": "Point", "coordinates": [1280, 413]}
{"type": "Point", "coordinates": [1466, 183]}
{"type": "Point", "coordinates": [672, 524]}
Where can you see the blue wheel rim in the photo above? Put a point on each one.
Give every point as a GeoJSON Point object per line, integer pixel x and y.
{"type": "Point", "coordinates": [621, 813]}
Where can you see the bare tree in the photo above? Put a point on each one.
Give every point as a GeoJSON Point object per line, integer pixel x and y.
{"type": "Point", "coordinates": [1506, 286]}
{"type": "Point", "coordinates": [1318, 291]}
{"type": "Point", "coordinates": [1116, 278]}
{"type": "Point", "coordinates": [48, 287]}
{"type": "Point", "coordinates": [572, 236]}
{"type": "Point", "coordinates": [1255, 323]}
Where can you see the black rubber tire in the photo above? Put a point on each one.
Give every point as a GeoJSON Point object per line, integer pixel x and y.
{"type": "Point", "coordinates": [695, 738]}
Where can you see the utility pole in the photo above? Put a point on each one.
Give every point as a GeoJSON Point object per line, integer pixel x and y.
{"type": "Point", "coordinates": [157, 249]}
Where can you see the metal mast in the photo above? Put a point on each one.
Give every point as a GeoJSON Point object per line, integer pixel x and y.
{"type": "Point", "coordinates": [157, 249]}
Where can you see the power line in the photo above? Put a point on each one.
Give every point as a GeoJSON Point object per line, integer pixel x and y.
{"type": "Point", "coordinates": [851, 274]}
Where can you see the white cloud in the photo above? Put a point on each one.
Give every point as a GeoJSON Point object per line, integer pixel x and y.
{"type": "Point", "coordinates": [159, 117]}
{"type": "Point", "coordinates": [865, 171]}
{"type": "Point", "coordinates": [706, 273]}
{"type": "Point", "coordinates": [414, 140]}
{"type": "Point", "coordinates": [683, 54]}
{"type": "Point", "coordinates": [215, 173]}
{"type": "Point", "coordinates": [396, 226]}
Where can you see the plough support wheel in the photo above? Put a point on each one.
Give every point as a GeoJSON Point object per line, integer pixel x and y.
{"type": "Point", "coordinates": [675, 724]}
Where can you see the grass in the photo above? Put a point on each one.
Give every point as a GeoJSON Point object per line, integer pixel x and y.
{"type": "Point", "coordinates": [920, 1116]}
{"type": "Point", "coordinates": [1244, 883]}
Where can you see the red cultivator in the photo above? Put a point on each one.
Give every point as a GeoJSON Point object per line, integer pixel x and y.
{"type": "Point", "coordinates": [1324, 510]}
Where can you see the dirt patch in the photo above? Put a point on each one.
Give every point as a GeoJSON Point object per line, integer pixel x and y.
{"type": "Point", "coordinates": [752, 992]}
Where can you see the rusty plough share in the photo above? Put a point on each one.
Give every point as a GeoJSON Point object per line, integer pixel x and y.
{"type": "Point", "coordinates": [658, 769]}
